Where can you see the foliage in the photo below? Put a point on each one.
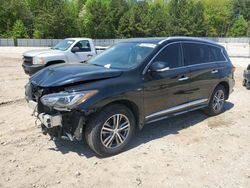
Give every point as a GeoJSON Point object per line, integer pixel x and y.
{"type": "Point", "coordinates": [124, 18]}
{"type": "Point", "coordinates": [239, 27]}
{"type": "Point", "coordinates": [10, 12]}
{"type": "Point", "coordinates": [217, 17]}
{"type": "Point", "coordinates": [19, 30]}
{"type": "Point", "coordinates": [187, 18]}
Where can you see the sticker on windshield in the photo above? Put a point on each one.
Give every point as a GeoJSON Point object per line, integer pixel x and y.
{"type": "Point", "coordinates": [148, 45]}
{"type": "Point", "coordinates": [70, 42]}
{"type": "Point", "coordinates": [107, 66]}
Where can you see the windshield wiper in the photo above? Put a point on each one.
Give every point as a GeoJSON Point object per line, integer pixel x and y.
{"type": "Point", "coordinates": [96, 64]}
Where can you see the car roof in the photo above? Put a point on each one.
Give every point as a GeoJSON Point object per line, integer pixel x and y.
{"type": "Point", "coordinates": [162, 40]}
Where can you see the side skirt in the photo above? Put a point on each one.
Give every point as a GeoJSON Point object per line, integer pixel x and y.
{"type": "Point", "coordinates": [175, 114]}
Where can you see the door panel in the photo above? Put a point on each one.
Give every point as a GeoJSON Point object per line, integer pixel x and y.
{"type": "Point", "coordinates": [203, 78]}
{"type": "Point", "coordinates": [166, 89]}
{"type": "Point", "coordinates": [85, 51]}
{"type": "Point", "coordinates": [204, 75]}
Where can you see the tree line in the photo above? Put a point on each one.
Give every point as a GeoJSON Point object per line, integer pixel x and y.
{"type": "Point", "coordinates": [124, 18]}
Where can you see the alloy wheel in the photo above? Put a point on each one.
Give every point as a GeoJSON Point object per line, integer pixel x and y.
{"type": "Point", "coordinates": [218, 100]}
{"type": "Point", "coordinates": [115, 131]}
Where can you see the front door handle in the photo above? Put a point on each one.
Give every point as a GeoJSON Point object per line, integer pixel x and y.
{"type": "Point", "coordinates": [183, 78]}
{"type": "Point", "coordinates": [89, 55]}
{"type": "Point", "coordinates": [214, 71]}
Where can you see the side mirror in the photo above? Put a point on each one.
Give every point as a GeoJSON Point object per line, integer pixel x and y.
{"type": "Point", "coordinates": [75, 49]}
{"type": "Point", "coordinates": [159, 66]}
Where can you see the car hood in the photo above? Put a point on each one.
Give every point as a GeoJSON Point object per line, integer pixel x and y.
{"type": "Point", "coordinates": [66, 74]}
{"type": "Point", "coordinates": [42, 52]}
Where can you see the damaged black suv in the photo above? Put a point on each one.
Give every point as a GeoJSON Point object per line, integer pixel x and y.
{"type": "Point", "coordinates": [131, 84]}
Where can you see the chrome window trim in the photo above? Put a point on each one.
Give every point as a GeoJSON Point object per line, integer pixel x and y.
{"type": "Point", "coordinates": [150, 62]}
{"type": "Point", "coordinates": [209, 45]}
{"type": "Point", "coordinates": [164, 40]}
{"type": "Point", "coordinates": [185, 66]}
{"type": "Point", "coordinates": [176, 108]}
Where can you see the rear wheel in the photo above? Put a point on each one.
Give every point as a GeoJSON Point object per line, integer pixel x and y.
{"type": "Point", "coordinates": [217, 101]}
{"type": "Point", "coordinates": [109, 131]}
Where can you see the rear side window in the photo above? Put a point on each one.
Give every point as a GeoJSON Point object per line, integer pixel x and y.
{"type": "Point", "coordinates": [196, 53]}
{"type": "Point", "coordinates": [216, 54]}
{"type": "Point", "coordinates": [170, 54]}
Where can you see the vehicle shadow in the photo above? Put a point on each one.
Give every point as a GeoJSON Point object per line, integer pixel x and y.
{"type": "Point", "coordinates": [149, 132]}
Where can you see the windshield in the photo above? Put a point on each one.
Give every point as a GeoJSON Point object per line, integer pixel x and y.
{"type": "Point", "coordinates": [63, 45]}
{"type": "Point", "coordinates": [123, 55]}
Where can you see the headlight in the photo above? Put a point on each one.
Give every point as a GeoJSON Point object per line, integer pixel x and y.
{"type": "Point", "coordinates": [38, 60]}
{"type": "Point", "coordinates": [66, 101]}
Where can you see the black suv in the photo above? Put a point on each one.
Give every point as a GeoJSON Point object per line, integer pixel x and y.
{"type": "Point", "coordinates": [131, 84]}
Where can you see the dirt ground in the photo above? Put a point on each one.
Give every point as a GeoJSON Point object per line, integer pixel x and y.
{"type": "Point", "coordinates": [192, 150]}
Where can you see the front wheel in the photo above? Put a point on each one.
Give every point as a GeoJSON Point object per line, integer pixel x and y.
{"type": "Point", "coordinates": [109, 131]}
{"type": "Point", "coordinates": [217, 101]}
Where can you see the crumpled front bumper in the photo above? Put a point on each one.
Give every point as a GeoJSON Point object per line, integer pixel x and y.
{"type": "Point", "coordinates": [47, 120]}
{"type": "Point", "coordinates": [59, 124]}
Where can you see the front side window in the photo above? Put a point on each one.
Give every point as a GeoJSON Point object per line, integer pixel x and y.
{"type": "Point", "coordinates": [123, 55]}
{"type": "Point", "coordinates": [171, 55]}
{"type": "Point", "coordinates": [83, 46]}
{"type": "Point", "coordinates": [63, 45]}
{"type": "Point", "coordinates": [196, 53]}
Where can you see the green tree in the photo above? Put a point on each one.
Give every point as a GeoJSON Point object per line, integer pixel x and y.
{"type": "Point", "coordinates": [51, 19]}
{"type": "Point", "coordinates": [10, 11]}
{"type": "Point", "coordinates": [218, 17]}
{"type": "Point", "coordinates": [135, 22]}
{"type": "Point", "coordinates": [19, 30]}
{"type": "Point", "coordinates": [159, 20]}
{"type": "Point", "coordinates": [239, 28]}
{"type": "Point", "coordinates": [186, 18]}
{"type": "Point", "coordinates": [71, 20]}
{"type": "Point", "coordinates": [125, 18]}
{"type": "Point", "coordinates": [116, 9]}
{"type": "Point", "coordinates": [241, 7]}
{"type": "Point", "coordinates": [95, 22]}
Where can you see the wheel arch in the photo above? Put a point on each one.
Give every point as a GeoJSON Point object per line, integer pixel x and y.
{"type": "Point", "coordinates": [226, 86]}
{"type": "Point", "coordinates": [130, 105]}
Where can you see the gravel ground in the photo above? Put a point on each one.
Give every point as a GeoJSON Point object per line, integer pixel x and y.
{"type": "Point", "coordinates": [192, 150]}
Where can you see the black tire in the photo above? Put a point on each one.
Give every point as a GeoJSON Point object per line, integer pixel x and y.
{"type": "Point", "coordinates": [244, 83]}
{"type": "Point", "coordinates": [247, 84]}
{"type": "Point", "coordinates": [211, 109]}
{"type": "Point", "coordinates": [96, 134]}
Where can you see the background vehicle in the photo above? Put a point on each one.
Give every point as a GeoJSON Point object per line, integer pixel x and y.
{"type": "Point", "coordinates": [133, 83]}
{"type": "Point", "coordinates": [246, 80]}
{"type": "Point", "coordinates": [71, 50]}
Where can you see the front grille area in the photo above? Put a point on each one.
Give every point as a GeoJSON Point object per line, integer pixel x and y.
{"type": "Point", "coordinates": [27, 60]}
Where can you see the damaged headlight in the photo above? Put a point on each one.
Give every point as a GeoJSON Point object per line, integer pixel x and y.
{"type": "Point", "coordinates": [64, 100]}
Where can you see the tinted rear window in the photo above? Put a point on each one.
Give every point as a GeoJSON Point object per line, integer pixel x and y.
{"type": "Point", "coordinates": [196, 53]}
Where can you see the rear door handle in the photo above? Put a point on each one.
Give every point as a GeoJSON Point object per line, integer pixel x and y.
{"type": "Point", "coordinates": [183, 78]}
{"type": "Point", "coordinates": [214, 71]}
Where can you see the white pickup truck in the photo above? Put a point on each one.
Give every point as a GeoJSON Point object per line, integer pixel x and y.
{"type": "Point", "coordinates": [70, 50]}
